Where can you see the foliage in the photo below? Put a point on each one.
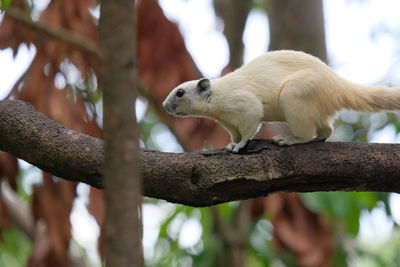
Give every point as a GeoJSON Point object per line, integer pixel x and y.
{"type": "Point", "coordinates": [4, 4]}
{"type": "Point", "coordinates": [261, 250]}
{"type": "Point", "coordinates": [342, 207]}
{"type": "Point", "coordinates": [15, 248]}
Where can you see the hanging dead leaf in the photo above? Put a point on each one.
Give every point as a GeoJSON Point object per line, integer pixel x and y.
{"type": "Point", "coordinates": [52, 201]}
{"type": "Point", "coordinates": [52, 198]}
{"type": "Point", "coordinates": [74, 16]}
{"type": "Point", "coordinates": [9, 169]}
{"type": "Point", "coordinates": [13, 33]}
{"type": "Point", "coordinates": [96, 208]}
{"type": "Point", "coordinates": [308, 235]}
{"type": "Point", "coordinates": [51, 205]}
{"type": "Point", "coordinates": [4, 216]}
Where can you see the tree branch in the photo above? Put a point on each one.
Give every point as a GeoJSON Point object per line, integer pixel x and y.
{"type": "Point", "coordinates": [61, 34]}
{"type": "Point", "coordinates": [204, 178]}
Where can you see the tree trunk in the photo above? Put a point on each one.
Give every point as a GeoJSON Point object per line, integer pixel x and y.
{"type": "Point", "coordinates": [234, 15]}
{"type": "Point", "coordinates": [121, 169]}
{"type": "Point", "coordinates": [298, 25]}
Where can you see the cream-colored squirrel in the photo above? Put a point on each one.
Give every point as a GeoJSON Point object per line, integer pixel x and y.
{"type": "Point", "coordinates": [286, 86]}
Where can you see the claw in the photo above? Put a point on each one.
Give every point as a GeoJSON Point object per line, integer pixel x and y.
{"type": "Point", "coordinates": [279, 140]}
{"type": "Point", "coordinates": [239, 146]}
{"type": "Point", "coordinates": [230, 147]}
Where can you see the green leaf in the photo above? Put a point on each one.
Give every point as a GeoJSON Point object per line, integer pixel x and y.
{"type": "Point", "coordinates": [4, 4]}
{"type": "Point", "coordinates": [15, 248]}
{"type": "Point", "coordinates": [343, 208]}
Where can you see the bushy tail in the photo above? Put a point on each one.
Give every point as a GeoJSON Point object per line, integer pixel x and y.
{"type": "Point", "coordinates": [371, 98]}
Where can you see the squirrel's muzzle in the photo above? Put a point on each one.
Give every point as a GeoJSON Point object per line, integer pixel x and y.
{"type": "Point", "coordinates": [169, 107]}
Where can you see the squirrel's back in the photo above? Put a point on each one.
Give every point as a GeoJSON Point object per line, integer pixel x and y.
{"type": "Point", "coordinates": [267, 75]}
{"type": "Point", "coordinates": [284, 60]}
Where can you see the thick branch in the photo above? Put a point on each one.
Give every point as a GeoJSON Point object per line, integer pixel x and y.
{"type": "Point", "coordinates": [204, 178]}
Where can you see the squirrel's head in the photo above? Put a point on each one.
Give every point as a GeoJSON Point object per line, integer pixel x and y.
{"type": "Point", "coordinates": [189, 98]}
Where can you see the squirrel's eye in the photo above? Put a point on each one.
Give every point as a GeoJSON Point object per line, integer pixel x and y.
{"type": "Point", "coordinates": [180, 92]}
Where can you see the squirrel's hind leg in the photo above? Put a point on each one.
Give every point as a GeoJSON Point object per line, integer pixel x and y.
{"type": "Point", "coordinates": [305, 131]}
{"type": "Point", "coordinates": [302, 125]}
{"type": "Point", "coordinates": [323, 134]}
{"type": "Point", "coordinates": [303, 111]}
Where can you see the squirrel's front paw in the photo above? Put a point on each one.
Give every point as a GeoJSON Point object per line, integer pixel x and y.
{"type": "Point", "coordinates": [239, 146]}
{"type": "Point", "coordinates": [236, 149]}
{"type": "Point", "coordinates": [230, 147]}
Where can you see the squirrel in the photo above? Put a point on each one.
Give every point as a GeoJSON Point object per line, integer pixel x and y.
{"type": "Point", "coordinates": [283, 86]}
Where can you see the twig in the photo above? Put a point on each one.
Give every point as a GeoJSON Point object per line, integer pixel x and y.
{"type": "Point", "coordinates": [61, 34]}
{"type": "Point", "coordinates": [18, 210]}
{"type": "Point", "coordinates": [234, 236]}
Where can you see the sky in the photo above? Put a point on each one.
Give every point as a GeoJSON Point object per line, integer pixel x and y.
{"type": "Point", "coordinates": [362, 42]}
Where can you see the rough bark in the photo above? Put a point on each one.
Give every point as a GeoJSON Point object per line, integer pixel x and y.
{"type": "Point", "coordinates": [208, 177]}
{"type": "Point", "coordinates": [118, 79]}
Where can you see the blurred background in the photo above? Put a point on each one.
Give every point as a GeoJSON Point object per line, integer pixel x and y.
{"type": "Point", "coordinates": [47, 221]}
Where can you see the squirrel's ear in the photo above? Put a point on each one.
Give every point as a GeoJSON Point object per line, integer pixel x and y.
{"type": "Point", "coordinates": [203, 85]}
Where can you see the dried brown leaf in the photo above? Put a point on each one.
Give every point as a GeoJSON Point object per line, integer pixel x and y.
{"type": "Point", "coordinates": [96, 208]}
{"type": "Point", "coordinates": [9, 169]}
{"type": "Point", "coordinates": [307, 234]}
{"type": "Point", "coordinates": [13, 33]}
{"type": "Point", "coordinates": [74, 16]}
{"type": "Point", "coordinates": [52, 204]}
{"type": "Point", "coordinates": [52, 201]}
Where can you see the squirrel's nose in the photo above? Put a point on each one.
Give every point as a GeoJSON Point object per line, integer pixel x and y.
{"type": "Point", "coordinates": [165, 104]}
{"type": "Point", "coordinates": [168, 106]}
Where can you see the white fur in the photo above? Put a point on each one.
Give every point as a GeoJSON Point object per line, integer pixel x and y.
{"type": "Point", "coordinates": [288, 86]}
